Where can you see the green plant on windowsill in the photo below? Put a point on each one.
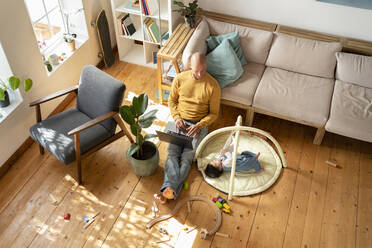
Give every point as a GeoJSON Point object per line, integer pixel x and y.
{"type": "Point", "coordinates": [13, 84]}
{"type": "Point", "coordinates": [189, 12]}
{"type": "Point", "coordinates": [70, 40]}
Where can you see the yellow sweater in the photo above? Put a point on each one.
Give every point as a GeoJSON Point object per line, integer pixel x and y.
{"type": "Point", "coordinates": [195, 100]}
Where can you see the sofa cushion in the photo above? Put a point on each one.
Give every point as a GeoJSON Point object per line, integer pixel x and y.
{"type": "Point", "coordinates": [242, 91]}
{"type": "Point", "coordinates": [311, 57]}
{"type": "Point", "coordinates": [223, 64]}
{"type": "Point", "coordinates": [233, 38]}
{"type": "Point", "coordinates": [351, 111]}
{"type": "Point", "coordinates": [294, 95]}
{"type": "Point", "coordinates": [51, 133]}
{"type": "Point", "coordinates": [255, 43]}
{"type": "Point", "coordinates": [196, 43]}
{"type": "Point", "coordinates": [354, 68]}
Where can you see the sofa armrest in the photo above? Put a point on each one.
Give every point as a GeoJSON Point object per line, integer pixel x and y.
{"type": "Point", "coordinates": [196, 43]}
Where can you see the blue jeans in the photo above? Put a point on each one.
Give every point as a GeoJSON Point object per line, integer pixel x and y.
{"type": "Point", "coordinates": [178, 164]}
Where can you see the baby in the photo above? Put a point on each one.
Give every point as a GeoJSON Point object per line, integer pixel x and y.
{"type": "Point", "coordinates": [244, 162]}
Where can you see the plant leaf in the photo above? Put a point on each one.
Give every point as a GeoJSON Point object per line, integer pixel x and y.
{"type": "Point", "coordinates": [127, 115]}
{"type": "Point", "coordinates": [150, 136]}
{"type": "Point", "coordinates": [143, 101]}
{"type": "Point", "coordinates": [14, 82]}
{"type": "Point", "coordinates": [136, 106]}
{"type": "Point", "coordinates": [132, 149]}
{"type": "Point", "coordinates": [178, 3]}
{"type": "Point", "coordinates": [2, 94]}
{"type": "Point", "coordinates": [27, 84]}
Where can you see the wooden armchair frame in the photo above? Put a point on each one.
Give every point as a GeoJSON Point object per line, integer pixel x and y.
{"type": "Point", "coordinates": [76, 131]}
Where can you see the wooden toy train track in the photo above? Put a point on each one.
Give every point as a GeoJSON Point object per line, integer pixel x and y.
{"type": "Point", "coordinates": [204, 233]}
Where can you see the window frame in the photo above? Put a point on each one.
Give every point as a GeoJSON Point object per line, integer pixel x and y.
{"type": "Point", "coordinates": [56, 38]}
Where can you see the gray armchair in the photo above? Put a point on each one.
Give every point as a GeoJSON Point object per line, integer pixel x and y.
{"type": "Point", "coordinates": [78, 132]}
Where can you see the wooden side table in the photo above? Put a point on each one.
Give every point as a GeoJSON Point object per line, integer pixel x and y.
{"type": "Point", "coordinates": [172, 51]}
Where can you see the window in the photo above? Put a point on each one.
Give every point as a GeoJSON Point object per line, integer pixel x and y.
{"type": "Point", "coordinates": [54, 19]}
{"type": "Point", "coordinates": [15, 97]}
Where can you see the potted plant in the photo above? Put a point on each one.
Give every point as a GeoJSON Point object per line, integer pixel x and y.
{"type": "Point", "coordinates": [70, 40]}
{"type": "Point", "coordinates": [143, 155]}
{"type": "Point", "coordinates": [13, 84]}
{"type": "Point", "coordinates": [188, 12]}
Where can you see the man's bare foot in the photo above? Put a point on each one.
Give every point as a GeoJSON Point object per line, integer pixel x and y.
{"type": "Point", "coordinates": [160, 198]}
{"type": "Point", "coordinates": [168, 193]}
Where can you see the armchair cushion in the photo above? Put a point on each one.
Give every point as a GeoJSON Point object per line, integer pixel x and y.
{"type": "Point", "coordinates": [99, 93]}
{"type": "Point", "coordinates": [52, 134]}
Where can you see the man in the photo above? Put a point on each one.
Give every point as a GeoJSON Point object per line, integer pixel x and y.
{"type": "Point", "coordinates": [194, 103]}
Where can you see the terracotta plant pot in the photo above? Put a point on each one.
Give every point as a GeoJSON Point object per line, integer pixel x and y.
{"type": "Point", "coordinates": [148, 166]}
{"type": "Point", "coordinates": [72, 45]}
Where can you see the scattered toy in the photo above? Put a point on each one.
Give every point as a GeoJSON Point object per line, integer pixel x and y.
{"type": "Point", "coordinates": [219, 205]}
{"type": "Point", "coordinates": [163, 230]}
{"type": "Point", "coordinates": [85, 219]}
{"type": "Point", "coordinates": [53, 199]}
{"type": "Point", "coordinates": [186, 185]}
{"type": "Point", "coordinates": [89, 222]}
{"type": "Point", "coordinates": [223, 235]}
{"type": "Point", "coordinates": [331, 164]}
{"type": "Point", "coordinates": [67, 216]}
{"type": "Point", "coordinates": [191, 229]}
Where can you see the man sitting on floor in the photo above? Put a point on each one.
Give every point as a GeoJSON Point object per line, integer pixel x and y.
{"type": "Point", "coordinates": [194, 101]}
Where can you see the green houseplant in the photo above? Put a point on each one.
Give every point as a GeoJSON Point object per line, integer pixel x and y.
{"type": "Point", "coordinates": [143, 154]}
{"type": "Point", "coordinates": [13, 84]}
{"type": "Point", "coordinates": [188, 12]}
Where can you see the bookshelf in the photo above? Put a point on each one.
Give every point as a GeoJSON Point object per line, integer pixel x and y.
{"type": "Point", "coordinates": [136, 48]}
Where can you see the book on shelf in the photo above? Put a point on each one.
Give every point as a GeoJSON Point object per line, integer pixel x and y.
{"type": "Point", "coordinates": [120, 22]}
{"type": "Point", "coordinates": [149, 7]}
{"type": "Point", "coordinates": [165, 36]}
{"type": "Point", "coordinates": [155, 31]}
{"type": "Point", "coordinates": [126, 25]}
{"type": "Point", "coordinates": [151, 30]}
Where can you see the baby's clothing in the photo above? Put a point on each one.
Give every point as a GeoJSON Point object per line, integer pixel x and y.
{"type": "Point", "coordinates": [244, 162]}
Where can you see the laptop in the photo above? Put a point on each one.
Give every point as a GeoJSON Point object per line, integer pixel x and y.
{"type": "Point", "coordinates": [175, 136]}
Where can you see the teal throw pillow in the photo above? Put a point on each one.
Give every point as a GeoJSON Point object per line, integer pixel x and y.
{"type": "Point", "coordinates": [214, 41]}
{"type": "Point", "coordinates": [224, 65]}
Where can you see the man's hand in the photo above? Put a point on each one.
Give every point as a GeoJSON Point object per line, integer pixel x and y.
{"type": "Point", "coordinates": [180, 124]}
{"type": "Point", "coordinates": [193, 130]}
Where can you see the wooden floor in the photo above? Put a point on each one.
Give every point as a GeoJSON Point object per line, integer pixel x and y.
{"type": "Point", "coordinates": [311, 205]}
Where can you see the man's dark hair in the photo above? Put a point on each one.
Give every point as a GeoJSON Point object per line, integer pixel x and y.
{"type": "Point", "coordinates": [212, 171]}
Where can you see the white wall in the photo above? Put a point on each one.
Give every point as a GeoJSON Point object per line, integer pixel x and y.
{"type": "Point", "coordinates": [307, 14]}
{"type": "Point", "coordinates": [20, 46]}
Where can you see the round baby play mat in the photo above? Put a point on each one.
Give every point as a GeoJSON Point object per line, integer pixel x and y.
{"type": "Point", "coordinates": [243, 183]}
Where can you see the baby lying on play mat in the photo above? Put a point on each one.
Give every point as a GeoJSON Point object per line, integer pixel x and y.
{"type": "Point", "coordinates": [245, 161]}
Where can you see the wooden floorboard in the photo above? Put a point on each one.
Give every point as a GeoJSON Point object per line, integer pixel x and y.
{"type": "Point", "coordinates": [311, 205]}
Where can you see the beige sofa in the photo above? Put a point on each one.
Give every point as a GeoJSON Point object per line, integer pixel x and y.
{"type": "Point", "coordinates": [293, 78]}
